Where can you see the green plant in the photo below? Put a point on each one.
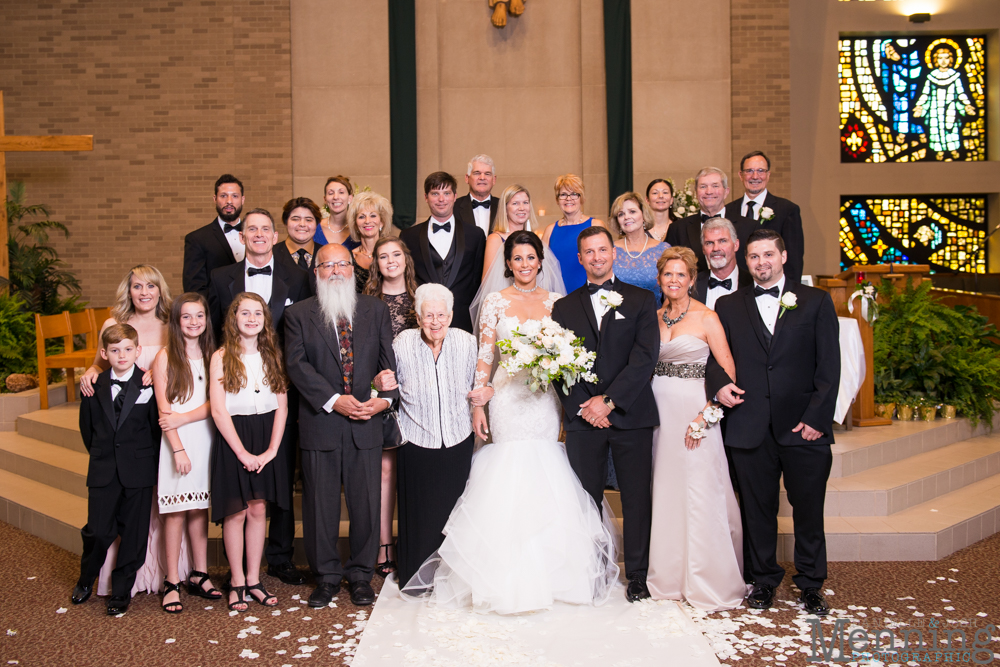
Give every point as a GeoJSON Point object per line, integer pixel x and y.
{"type": "Point", "coordinates": [36, 272]}
{"type": "Point", "coordinates": [936, 354]}
{"type": "Point", "coordinates": [17, 338]}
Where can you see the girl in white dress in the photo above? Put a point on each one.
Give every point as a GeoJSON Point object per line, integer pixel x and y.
{"type": "Point", "coordinates": [181, 384]}
{"type": "Point", "coordinates": [525, 534]}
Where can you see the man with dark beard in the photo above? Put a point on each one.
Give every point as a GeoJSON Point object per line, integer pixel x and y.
{"type": "Point", "coordinates": [217, 243]}
{"type": "Point", "coordinates": [335, 344]}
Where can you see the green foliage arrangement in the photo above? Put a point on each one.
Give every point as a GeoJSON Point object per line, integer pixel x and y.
{"type": "Point", "coordinates": [926, 353]}
{"type": "Point", "coordinates": [36, 272]}
{"type": "Point", "coordinates": [17, 338]}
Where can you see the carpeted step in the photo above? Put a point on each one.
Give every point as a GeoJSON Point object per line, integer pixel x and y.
{"type": "Point", "coordinates": [49, 464]}
{"type": "Point", "coordinates": [894, 487]}
{"type": "Point", "coordinates": [57, 426]}
{"type": "Point", "coordinates": [53, 515]}
{"type": "Point", "coordinates": [928, 531]}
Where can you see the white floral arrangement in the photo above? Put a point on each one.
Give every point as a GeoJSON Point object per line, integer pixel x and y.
{"type": "Point", "coordinates": [611, 299]}
{"type": "Point", "coordinates": [712, 416]}
{"type": "Point", "coordinates": [766, 214]}
{"type": "Point", "coordinates": [869, 301]}
{"type": "Point", "coordinates": [788, 302]}
{"type": "Point", "coordinates": [550, 352]}
{"type": "Point", "coordinates": [685, 202]}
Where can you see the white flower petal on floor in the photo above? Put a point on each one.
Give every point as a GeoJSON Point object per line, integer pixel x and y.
{"type": "Point", "coordinates": [61, 610]}
{"type": "Point", "coordinates": [170, 641]}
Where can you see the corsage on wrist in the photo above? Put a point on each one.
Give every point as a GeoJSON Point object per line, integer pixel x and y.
{"type": "Point", "coordinates": [712, 415]}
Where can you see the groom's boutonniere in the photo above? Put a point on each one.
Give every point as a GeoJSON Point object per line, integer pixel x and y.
{"type": "Point", "coordinates": [766, 214]}
{"type": "Point", "coordinates": [787, 302]}
{"type": "Point", "coordinates": [611, 300]}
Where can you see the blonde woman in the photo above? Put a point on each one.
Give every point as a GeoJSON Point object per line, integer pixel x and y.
{"type": "Point", "coordinates": [369, 218]}
{"type": "Point", "coordinates": [637, 249]}
{"type": "Point", "coordinates": [338, 194]}
{"type": "Point", "coordinates": [561, 237]}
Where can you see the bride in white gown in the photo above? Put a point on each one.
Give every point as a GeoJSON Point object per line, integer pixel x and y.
{"type": "Point", "coordinates": [524, 534]}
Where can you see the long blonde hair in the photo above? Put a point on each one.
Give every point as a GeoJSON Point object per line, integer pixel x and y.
{"type": "Point", "coordinates": [502, 224]}
{"type": "Point", "coordinates": [234, 373]}
{"type": "Point", "coordinates": [124, 309]}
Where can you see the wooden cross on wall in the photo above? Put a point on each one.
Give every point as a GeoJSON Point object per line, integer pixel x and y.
{"type": "Point", "coordinates": [29, 144]}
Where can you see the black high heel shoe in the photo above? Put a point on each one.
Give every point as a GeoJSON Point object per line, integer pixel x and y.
{"type": "Point", "coordinates": [386, 567]}
{"type": "Point", "coordinates": [172, 607]}
{"type": "Point", "coordinates": [197, 588]}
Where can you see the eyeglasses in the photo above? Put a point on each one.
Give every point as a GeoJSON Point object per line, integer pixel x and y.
{"type": "Point", "coordinates": [568, 195]}
{"type": "Point", "coordinates": [343, 264]}
{"type": "Point", "coordinates": [759, 172]}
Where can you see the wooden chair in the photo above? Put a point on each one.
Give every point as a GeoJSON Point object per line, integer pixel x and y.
{"type": "Point", "coordinates": [101, 316]}
{"type": "Point", "coordinates": [65, 326]}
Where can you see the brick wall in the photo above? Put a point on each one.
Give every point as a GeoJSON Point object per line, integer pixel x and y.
{"type": "Point", "coordinates": [760, 88]}
{"type": "Point", "coordinates": [175, 93]}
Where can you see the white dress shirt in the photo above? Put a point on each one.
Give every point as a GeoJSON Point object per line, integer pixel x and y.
{"type": "Point", "coordinates": [259, 284]}
{"type": "Point", "coordinates": [115, 389]}
{"type": "Point", "coordinates": [719, 291]}
{"type": "Point", "coordinates": [441, 239]}
{"type": "Point", "coordinates": [482, 215]}
{"type": "Point", "coordinates": [768, 306]}
{"type": "Point", "coordinates": [758, 204]}
{"type": "Point", "coordinates": [233, 237]}
{"type": "Point", "coordinates": [600, 309]}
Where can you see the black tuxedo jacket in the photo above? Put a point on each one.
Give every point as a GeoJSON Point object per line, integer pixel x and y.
{"type": "Point", "coordinates": [129, 446]}
{"type": "Point", "coordinates": [205, 250]}
{"type": "Point", "coordinates": [687, 232]}
{"type": "Point", "coordinates": [463, 210]}
{"type": "Point", "coordinates": [787, 221]}
{"type": "Point", "coordinates": [461, 271]}
{"type": "Point", "coordinates": [288, 283]}
{"type": "Point", "coordinates": [313, 361]}
{"type": "Point", "coordinates": [743, 278]}
{"type": "Point", "coordinates": [627, 348]}
{"type": "Point", "coordinates": [282, 255]}
{"type": "Point", "coordinates": [794, 379]}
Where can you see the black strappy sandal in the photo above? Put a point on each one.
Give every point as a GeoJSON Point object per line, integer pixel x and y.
{"type": "Point", "coordinates": [386, 567]}
{"type": "Point", "coordinates": [197, 588]}
{"type": "Point", "coordinates": [178, 606]}
{"type": "Point", "coordinates": [241, 599]}
{"type": "Point", "coordinates": [267, 596]}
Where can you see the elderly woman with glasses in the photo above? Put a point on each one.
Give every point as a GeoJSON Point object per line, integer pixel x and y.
{"type": "Point", "coordinates": [435, 370]}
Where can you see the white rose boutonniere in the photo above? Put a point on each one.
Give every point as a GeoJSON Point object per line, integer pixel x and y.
{"type": "Point", "coordinates": [788, 302]}
{"type": "Point", "coordinates": [611, 299]}
{"type": "Point", "coordinates": [766, 214]}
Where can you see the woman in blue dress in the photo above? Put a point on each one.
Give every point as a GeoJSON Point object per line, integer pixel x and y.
{"type": "Point", "coordinates": [636, 250]}
{"type": "Point", "coordinates": [338, 193]}
{"type": "Point", "coordinates": [561, 236]}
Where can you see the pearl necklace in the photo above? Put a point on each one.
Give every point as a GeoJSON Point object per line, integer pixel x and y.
{"type": "Point", "coordinates": [526, 291]}
{"type": "Point", "coordinates": [644, 244]}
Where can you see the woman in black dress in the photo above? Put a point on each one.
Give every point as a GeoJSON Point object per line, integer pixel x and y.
{"type": "Point", "coordinates": [393, 279]}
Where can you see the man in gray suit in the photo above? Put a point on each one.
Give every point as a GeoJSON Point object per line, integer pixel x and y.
{"type": "Point", "coordinates": [335, 344]}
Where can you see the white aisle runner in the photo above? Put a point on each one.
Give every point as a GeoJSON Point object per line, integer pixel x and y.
{"type": "Point", "coordinates": [617, 634]}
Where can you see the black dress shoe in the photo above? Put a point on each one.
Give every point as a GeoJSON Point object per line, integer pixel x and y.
{"type": "Point", "coordinates": [81, 593]}
{"type": "Point", "coordinates": [117, 605]}
{"type": "Point", "coordinates": [362, 594]}
{"type": "Point", "coordinates": [636, 590]}
{"type": "Point", "coordinates": [287, 573]}
{"type": "Point", "coordinates": [322, 595]}
{"type": "Point", "coordinates": [762, 597]}
{"type": "Point", "coordinates": [814, 602]}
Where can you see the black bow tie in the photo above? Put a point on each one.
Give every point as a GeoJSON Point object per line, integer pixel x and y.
{"type": "Point", "coordinates": [226, 228]}
{"type": "Point", "coordinates": [435, 227]}
{"type": "Point", "coordinates": [594, 289]}
{"type": "Point", "coordinates": [120, 383]}
{"type": "Point", "coordinates": [713, 283]}
{"type": "Point", "coordinates": [251, 271]}
{"type": "Point", "coordinates": [705, 217]}
{"type": "Point", "coordinates": [760, 291]}
{"type": "Point", "coordinates": [476, 203]}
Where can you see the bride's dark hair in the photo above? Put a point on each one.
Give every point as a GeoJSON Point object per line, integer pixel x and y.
{"type": "Point", "coordinates": [521, 238]}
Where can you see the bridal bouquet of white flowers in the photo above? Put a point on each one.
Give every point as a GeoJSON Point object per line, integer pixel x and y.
{"type": "Point", "coordinates": [549, 352]}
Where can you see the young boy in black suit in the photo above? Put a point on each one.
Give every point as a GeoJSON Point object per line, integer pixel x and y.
{"type": "Point", "coordinates": [120, 428]}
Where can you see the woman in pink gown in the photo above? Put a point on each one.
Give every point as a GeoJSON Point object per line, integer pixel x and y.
{"type": "Point", "coordinates": [696, 546]}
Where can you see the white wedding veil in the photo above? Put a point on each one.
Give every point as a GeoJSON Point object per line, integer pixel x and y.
{"type": "Point", "coordinates": [549, 279]}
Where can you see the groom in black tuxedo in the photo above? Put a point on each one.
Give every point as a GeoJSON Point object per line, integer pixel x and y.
{"type": "Point", "coordinates": [446, 250]}
{"type": "Point", "coordinates": [785, 342]}
{"type": "Point", "coordinates": [619, 411]}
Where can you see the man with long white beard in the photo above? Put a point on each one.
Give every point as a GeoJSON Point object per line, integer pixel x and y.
{"type": "Point", "coordinates": [335, 344]}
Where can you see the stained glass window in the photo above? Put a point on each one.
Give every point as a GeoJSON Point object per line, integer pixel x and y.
{"type": "Point", "coordinates": [949, 233]}
{"type": "Point", "coordinates": [906, 99]}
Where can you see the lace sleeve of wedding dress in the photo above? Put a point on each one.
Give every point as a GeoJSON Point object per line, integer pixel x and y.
{"type": "Point", "coordinates": [493, 308]}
